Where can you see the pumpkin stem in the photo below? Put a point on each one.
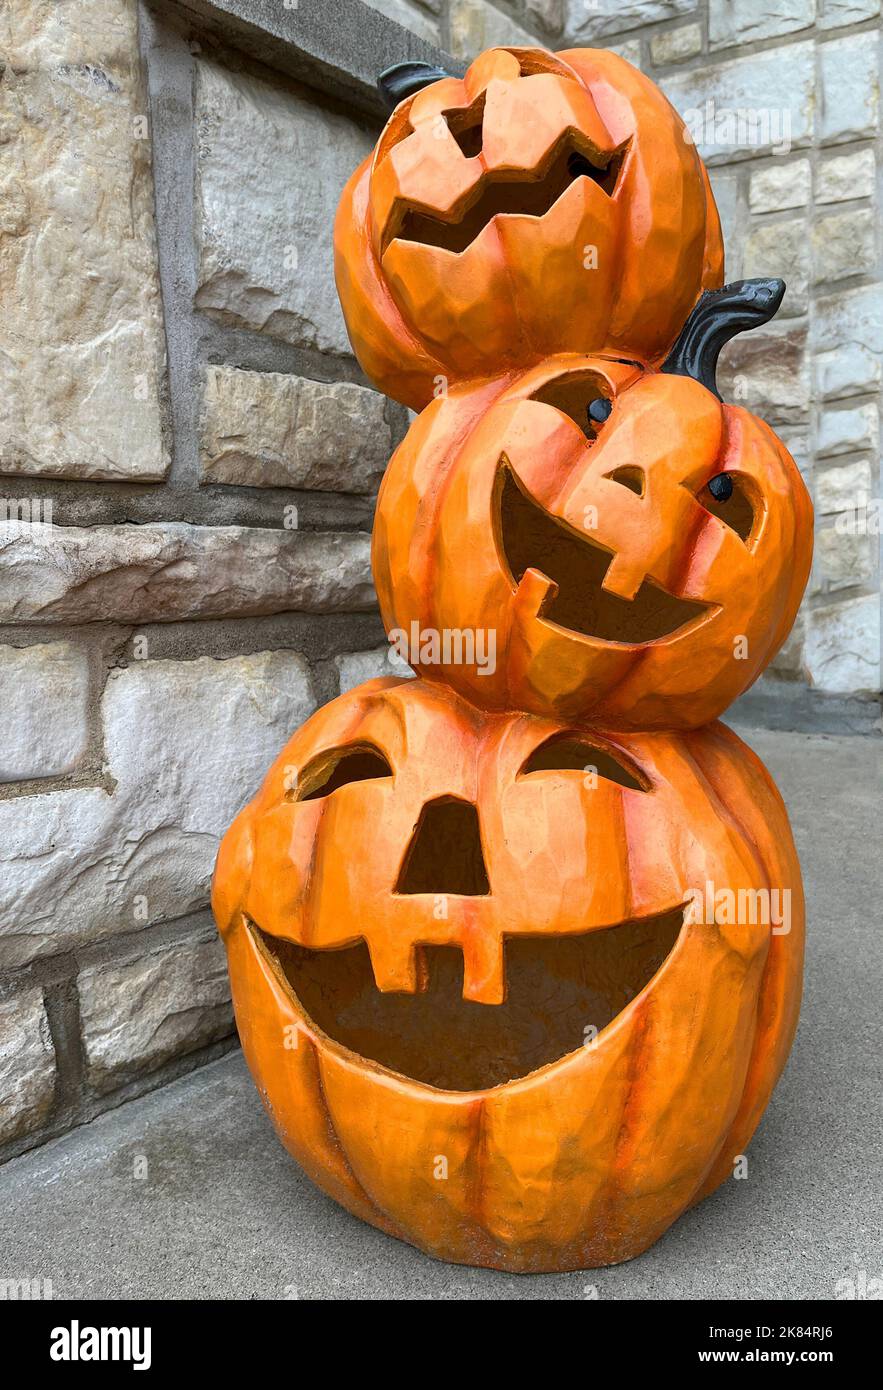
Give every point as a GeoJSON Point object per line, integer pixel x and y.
{"type": "Point", "coordinates": [404, 79]}
{"type": "Point", "coordinates": [718, 316]}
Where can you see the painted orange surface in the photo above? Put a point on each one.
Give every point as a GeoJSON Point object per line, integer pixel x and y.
{"type": "Point", "coordinates": [544, 203]}
{"type": "Point", "coordinates": [616, 586]}
{"type": "Point", "coordinates": [579, 840]}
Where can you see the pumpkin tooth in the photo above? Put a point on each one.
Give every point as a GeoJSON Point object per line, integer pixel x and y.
{"type": "Point", "coordinates": [484, 969]}
{"type": "Point", "coordinates": [398, 970]}
{"type": "Point", "coordinates": [624, 576]}
{"type": "Point", "coordinates": [534, 591]}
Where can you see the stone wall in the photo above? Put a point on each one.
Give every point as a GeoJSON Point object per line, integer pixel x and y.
{"type": "Point", "coordinates": [189, 454]}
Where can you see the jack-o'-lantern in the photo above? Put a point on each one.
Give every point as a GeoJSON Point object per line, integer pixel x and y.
{"type": "Point", "coordinates": [515, 991]}
{"type": "Point", "coordinates": [614, 543]}
{"type": "Point", "coordinates": [543, 203]}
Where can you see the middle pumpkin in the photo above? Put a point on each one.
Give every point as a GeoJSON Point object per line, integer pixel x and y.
{"type": "Point", "coordinates": [626, 548]}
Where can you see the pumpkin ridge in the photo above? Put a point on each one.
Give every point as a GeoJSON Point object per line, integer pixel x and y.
{"type": "Point", "coordinates": [751, 1080]}
{"type": "Point", "coordinates": [384, 1219]}
{"type": "Point", "coordinates": [476, 1189]}
{"type": "Point", "coordinates": [613, 1187]}
{"type": "Point", "coordinates": [757, 1077]}
{"type": "Point", "coordinates": [725, 812]}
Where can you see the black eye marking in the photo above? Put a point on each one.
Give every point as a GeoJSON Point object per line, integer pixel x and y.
{"type": "Point", "coordinates": [599, 410]}
{"type": "Point", "coordinates": [569, 753]}
{"type": "Point", "coordinates": [577, 395]}
{"type": "Point", "coordinates": [729, 497]}
{"type": "Point", "coordinates": [337, 768]}
{"type": "Point", "coordinates": [721, 487]}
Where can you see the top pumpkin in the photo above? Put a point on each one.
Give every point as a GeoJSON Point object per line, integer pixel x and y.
{"type": "Point", "coordinates": [543, 203]}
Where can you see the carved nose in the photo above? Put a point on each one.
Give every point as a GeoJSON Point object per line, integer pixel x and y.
{"type": "Point", "coordinates": [445, 854]}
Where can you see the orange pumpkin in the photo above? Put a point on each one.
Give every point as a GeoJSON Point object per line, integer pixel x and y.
{"type": "Point", "coordinates": [633, 550]}
{"type": "Point", "coordinates": [543, 203]}
{"type": "Point", "coordinates": [473, 984]}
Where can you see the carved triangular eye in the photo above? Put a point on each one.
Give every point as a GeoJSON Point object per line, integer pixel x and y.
{"type": "Point", "coordinates": [337, 767]}
{"type": "Point", "coordinates": [629, 476]}
{"type": "Point", "coordinates": [571, 753]}
{"type": "Point", "coordinates": [580, 395]}
{"type": "Point", "coordinates": [728, 496]}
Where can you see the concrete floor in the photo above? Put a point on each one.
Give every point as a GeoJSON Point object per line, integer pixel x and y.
{"type": "Point", "coordinates": [223, 1213]}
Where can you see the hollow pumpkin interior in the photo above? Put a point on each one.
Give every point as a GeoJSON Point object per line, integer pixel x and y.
{"type": "Point", "coordinates": [561, 991]}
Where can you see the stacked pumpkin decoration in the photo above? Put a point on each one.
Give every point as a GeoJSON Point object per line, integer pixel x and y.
{"type": "Point", "coordinates": [497, 936]}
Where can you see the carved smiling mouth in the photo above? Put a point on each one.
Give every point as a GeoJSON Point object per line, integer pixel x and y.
{"type": "Point", "coordinates": [527, 193]}
{"type": "Point", "coordinates": [529, 537]}
{"type": "Point", "coordinates": [558, 988]}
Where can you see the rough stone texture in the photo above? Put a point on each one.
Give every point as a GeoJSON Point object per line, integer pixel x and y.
{"type": "Point", "coordinates": [265, 429]}
{"type": "Point", "coordinates": [843, 244]}
{"type": "Point", "coordinates": [727, 196]}
{"type": "Point", "coordinates": [780, 186]}
{"type": "Point", "coordinates": [547, 15]}
{"type": "Point", "coordinates": [843, 645]}
{"type": "Point", "coordinates": [187, 743]}
{"type": "Point", "coordinates": [833, 14]}
{"type": "Point", "coordinates": [843, 488]}
{"type": "Point", "coordinates": [783, 244]}
{"type": "Point", "coordinates": [476, 25]}
{"type": "Point", "coordinates": [847, 332]}
{"type": "Point", "coordinates": [44, 695]}
{"type": "Point", "coordinates": [137, 1014]}
{"type": "Point", "coordinates": [410, 17]}
{"type": "Point", "coordinates": [588, 21]}
{"type": "Point", "coordinates": [270, 169]}
{"type": "Point", "coordinates": [767, 371]}
{"type": "Point", "coordinates": [844, 431]}
{"type": "Point", "coordinates": [676, 45]}
{"type": "Point", "coordinates": [27, 1064]}
{"type": "Point", "coordinates": [781, 96]}
{"type": "Point", "coordinates": [846, 176]}
{"type": "Point", "coordinates": [797, 441]}
{"type": "Point", "coordinates": [630, 51]}
{"type": "Point", "coordinates": [850, 88]}
{"type": "Point", "coordinates": [788, 660]}
{"type": "Point", "coordinates": [842, 560]}
{"type": "Point", "coordinates": [356, 667]}
{"type": "Point", "coordinates": [82, 354]}
{"type": "Point", "coordinates": [169, 570]}
{"type": "Point", "coordinates": [741, 21]}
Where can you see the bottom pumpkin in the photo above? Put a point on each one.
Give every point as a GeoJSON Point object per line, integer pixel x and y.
{"type": "Point", "coordinates": [517, 992]}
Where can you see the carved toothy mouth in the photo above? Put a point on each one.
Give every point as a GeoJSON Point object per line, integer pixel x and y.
{"type": "Point", "coordinates": [530, 538]}
{"type": "Point", "coordinates": [527, 193]}
{"type": "Point", "coordinates": [561, 992]}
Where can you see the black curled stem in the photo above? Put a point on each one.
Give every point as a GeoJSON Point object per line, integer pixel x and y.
{"type": "Point", "coordinates": [404, 79]}
{"type": "Point", "coordinates": [718, 316]}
